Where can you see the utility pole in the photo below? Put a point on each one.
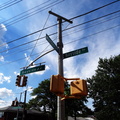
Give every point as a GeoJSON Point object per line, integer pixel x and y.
{"type": "Point", "coordinates": [24, 111]}
{"type": "Point", "coordinates": [60, 104]}
{"type": "Point", "coordinates": [19, 106]}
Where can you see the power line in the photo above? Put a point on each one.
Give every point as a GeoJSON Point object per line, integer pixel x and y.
{"type": "Point", "coordinates": [68, 29]}
{"type": "Point", "coordinates": [95, 24]}
{"type": "Point", "coordinates": [94, 34]}
{"type": "Point", "coordinates": [39, 36]}
{"type": "Point", "coordinates": [9, 4]}
{"type": "Point", "coordinates": [67, 43]}
{"type": "Point", "coordinates": [56, 24]}
{"type": "Point", "coordinates": [95, 9]}
{"type": "Point", "coordinates": [92, 20]}
{"type": "Point", "coordinates": [31, 13]}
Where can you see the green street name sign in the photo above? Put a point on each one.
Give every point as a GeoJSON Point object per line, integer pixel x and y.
{"type": "Point", "coordinates": [75, 52]}
{"type": "Point", "coordinates": [31, 70]}
{"type": "Point", "coordinates": [52, 43]}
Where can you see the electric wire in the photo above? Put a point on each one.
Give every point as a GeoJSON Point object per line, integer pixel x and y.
{"type": "Point", "coordinates": [94, 19]}
{"type": "Point", "coordinates": [25, 12]}
{"type": "Point", "coordinates": [69, 29]}
{"type": "Point", "coordinates": [95, 33]}
{"type": "Point", "coordinates": [65, 43]}
{"type": "Point", "coordinates": [95, 9]}
{"type": "Point", "coordinates": [56, 24]}
{"type": "Point", "coordinates": [95, 24]}
{"type": "Point", "coordinates": [38, 37]}
{"type": "Point", "coordinates": [71, 32]}
{"type": "Point", "coordinates": [14, 21]}
{"type": "Point", "coordinates": [30, 14]}
{"type": "Point", "coordinates": [4, 6]}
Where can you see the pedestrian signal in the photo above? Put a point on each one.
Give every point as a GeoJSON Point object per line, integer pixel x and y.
{"type": "Point", "coordinates": [78, 87]}
{"type": "Point", "coordinates": [57, 84]}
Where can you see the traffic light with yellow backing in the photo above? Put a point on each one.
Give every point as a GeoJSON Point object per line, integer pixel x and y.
{"type": "Point", "coordinates": [78, 88]}
{"type": "Point", "coordinates": [57, 84]}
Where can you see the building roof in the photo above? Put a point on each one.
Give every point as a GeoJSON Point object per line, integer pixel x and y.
{"type": "Point", "coordinates": [15, 109]}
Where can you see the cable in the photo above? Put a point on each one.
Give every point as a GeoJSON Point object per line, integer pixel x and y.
{"type": "Point", "coordinates": [95, 24]}
{"type": "Point", "coordinates": [32, 13]}
{"type": "Point", "coordinates": [94, 34]}
{"type": "Point", "coordinates": [93, 19]}
{"type": "Point", "coordinates": [56, 24]}
{"type": "Point", "coordinates": [25, 12]}
{"type": "Point", "coordinates": [95, 9]}
{"type": "Point", "coordinates": [68, 42]}
{"type": "Point", "coordinates": [9, 4]}
{"type": "Point", "coordinates": [68, 29]}
{"type": "Point", "coordinates": [38, 37]}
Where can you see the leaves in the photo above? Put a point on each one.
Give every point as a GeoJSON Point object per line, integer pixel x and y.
{"type": "Point", "coordinates": [104, 88]}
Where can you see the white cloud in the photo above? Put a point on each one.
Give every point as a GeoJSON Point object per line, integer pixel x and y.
{"type": "Point", "coordinates": [6, 97]}
{"type": "Point", "coordinates": [16, 73]}
{"type": "Point", "coordinates": [4, 78]}
{"type": "Point", "coordinates": [3, 27]}
{"type": "Point", "coordinates": [3, 30]}
{"type": "Point", "coordinates": [28, 58]}
{"type": "Point", "coordinates": [1, 58]}
{"type": "Point", "coordinates": [4, 93]}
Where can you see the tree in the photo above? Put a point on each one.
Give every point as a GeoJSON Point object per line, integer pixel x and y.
{"type": "Point", "coordinates": [104, 88]}
{"type": "Point", "coordinates": [44, 98]}
{"type": "Point", "coordinates": [48, 101]}
{"type": "Point", "coordinates": [76, 107]}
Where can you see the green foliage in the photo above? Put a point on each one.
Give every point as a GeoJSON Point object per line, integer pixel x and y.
{"type": "Point", "coordinates": [48, 101]}
{"type": "Point", "coordinates": [44, 98]}
{"type": "Point", "coordinates": [104, 88]}
{"type": "Point", "coordinates": [76, 107]}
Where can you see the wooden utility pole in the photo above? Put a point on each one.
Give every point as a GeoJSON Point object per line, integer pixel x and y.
{"type": "Point", "coordinates": [60, 104]}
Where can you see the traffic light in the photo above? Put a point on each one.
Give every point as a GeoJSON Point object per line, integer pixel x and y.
{"type": "Point", "coordinates": [57, 84]}
{"type": "Point", "coordinates": [18, 80]}
{"type": "Point", "coordinates": [78, 87]}
{"type": "Point", "coordinates": [14, 103]}
{"type": "Point", "coordinates": [24, 82]}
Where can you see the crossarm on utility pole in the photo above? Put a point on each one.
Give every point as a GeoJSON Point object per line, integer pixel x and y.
{"type": "Point", "coordinates": [60, 16]}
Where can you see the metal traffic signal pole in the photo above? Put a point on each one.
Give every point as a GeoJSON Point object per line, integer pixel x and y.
{"type": "Point", "coordinates": [24, 111]}
{"type": "Point", "coordinates": [60, 104]}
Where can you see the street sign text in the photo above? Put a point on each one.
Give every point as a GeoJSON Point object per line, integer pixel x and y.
{"type": "Point", "coordinates": [75, 52]}
{"type": "Point", "coordinates": [31, 70]}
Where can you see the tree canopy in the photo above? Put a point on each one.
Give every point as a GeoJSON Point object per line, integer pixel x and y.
{"type": "Point", "coordinates": [44, 98]}
{"type": "Point", "coordinates": [48, 101]}
{"type": "Point", "coordinates": [104, 89]}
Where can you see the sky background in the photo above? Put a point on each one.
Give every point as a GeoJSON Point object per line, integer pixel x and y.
{"type": "Point", "coordinates": [98, 30]}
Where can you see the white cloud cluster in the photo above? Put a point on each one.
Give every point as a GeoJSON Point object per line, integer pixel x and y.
{"type": "Point", "coordinates": [4, 93]}
{"type": "Point", "coordinates": [6, 97]}
{"type": "Point", "coordinates": [27, 58]}
{"type": "Point", "coordinates": [1, 59]}
{"type": "Point", "coordinates": [3, 29]}
{"type": "Point", "coordinates": [4, 78]}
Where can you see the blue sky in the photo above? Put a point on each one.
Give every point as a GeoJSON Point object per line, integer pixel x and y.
{"type": "Point", "coordinates": [101, 36]}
